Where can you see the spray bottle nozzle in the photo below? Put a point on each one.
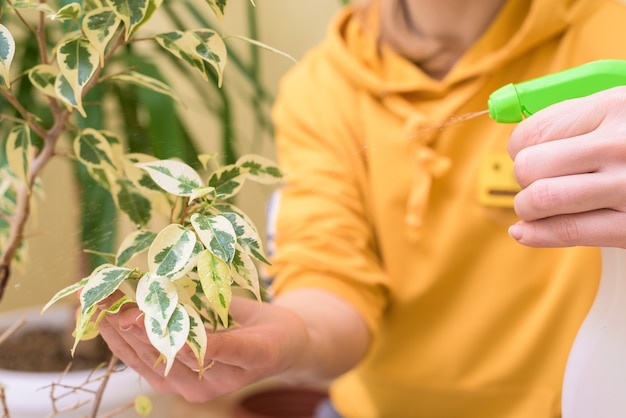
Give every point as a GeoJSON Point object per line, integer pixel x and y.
{"type": "Point", "coordinates": [512, 102]}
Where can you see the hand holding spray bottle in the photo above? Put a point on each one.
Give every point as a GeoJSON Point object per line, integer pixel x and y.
{"type": "Point", "coordinates": [594, 385]}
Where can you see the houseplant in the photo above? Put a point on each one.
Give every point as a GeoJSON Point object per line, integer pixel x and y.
{"type": "Point", "coordinates": [202, 243]}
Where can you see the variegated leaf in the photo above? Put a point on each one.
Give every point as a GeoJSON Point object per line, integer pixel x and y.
{"type": "Point", "coordinates": [78, 61]}
{"type": "Point", "coordinates": [227, 180]}
{"type": "Point", "coordinates": [101, 284]}
{"type": "Point", "coordinates": [217, 234]}
{"type": "Point", "coordinates": [140, 177]}
{"type": "Point", "coordinates": [200, 192]}
{"type": "Point", "coordinates": [260, 169]}
{"type": "Point", "coordinates": [245, 273]}
{"type": "Point", "coordinates": [172, 176]}
{"type": "Point", "coordinates": [131, 12]}
{"type": "Point", "coordinates": [247, 236]}
{"type": "Point", "coordinates": [66, 94]}
{"type": "Point", "coordinates": [153, 6]}
{"type": "Point", "coordinates": [210, 47]}
{"type": "Point", "coordinates": [19, 152]}
{"type": "Point", "coordinates": [177, 44]}
{"type": "Point", "coordinates": [218, 7]}
{"type": "Point", "coordinates": [172, 339]}
{"type": "Point", "coordinates": [43, 78]}
{"type": "Point", "coordinates": [134, 243]}
{"type": "Point", "coordinates": [94, 150]}
{"type": "Point", "coordinates": [191, 262]}
{"type": "Point", "coordinates": [196, 339]}
{"type": "Point", "coordinates": [7, 52]}
{"type": "Point", "coordinates": [190, 292]}
{"type": "Point", "coordinates": [132, 202]}
{"type": "Point", "coordinates": [99, 26]}
{"type": "Point", "coordinates": [216, 277]}
{"type": "Point", "coordinates": [171, 250]}
{"type": "Point", "coordinates": [151, 83]}
{"type": "Point", "coordinates": [82, 325]}
{"type": "Point", "coordinates": [70, 11]}
{"type": "Point", "coordinates": [66, 291]}
{"type": "Point", "coordinates": [92, 4]}
{"type": "Point", "coordinates": [34, 5]}
{"type": "Point", "coordinates": [157, 297]}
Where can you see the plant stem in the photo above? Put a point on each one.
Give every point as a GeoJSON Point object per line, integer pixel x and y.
{"type": "Point", "coordinates": [105, 379]}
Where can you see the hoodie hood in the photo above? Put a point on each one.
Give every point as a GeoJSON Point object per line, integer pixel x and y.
{"type": "Point", "coordinates": [519, 26]}
{"type": "Point", "coordinates": [354, 49]}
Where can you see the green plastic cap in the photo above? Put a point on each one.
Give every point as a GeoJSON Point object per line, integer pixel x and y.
{"type": "Point", "coordinates": [504, 105]}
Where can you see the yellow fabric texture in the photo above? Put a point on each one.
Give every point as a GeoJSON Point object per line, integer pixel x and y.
{"type": "Point", "coordinates": [380, 206]}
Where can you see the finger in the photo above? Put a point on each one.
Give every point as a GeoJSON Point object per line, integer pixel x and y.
{"type": "Point", "coordinates": [562, 120]}
{"type": "Point", "coordinates": [569, 195]}
{"type": "Point", "coordinates": [124, 345]}
{"type": "Point", "coordinates": [596, 228]}
{"type": "Point", "coordinates": [582, 154]}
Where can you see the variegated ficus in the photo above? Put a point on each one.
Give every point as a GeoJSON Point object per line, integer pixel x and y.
{"type": "Point", "coordinates": [206, 246]}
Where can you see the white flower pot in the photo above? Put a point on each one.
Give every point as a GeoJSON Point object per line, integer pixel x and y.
{"type": "Point", "coordinates": [28, 393]}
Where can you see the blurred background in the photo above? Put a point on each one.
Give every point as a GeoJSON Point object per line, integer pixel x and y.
{"type": "Point", "coordinates": [232, 121]}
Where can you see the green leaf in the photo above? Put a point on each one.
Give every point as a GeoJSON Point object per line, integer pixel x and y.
{"type": "Point", "coordinates": [153, 84]}
{"type": "Point", "coordinates": [247, 236]}
{"type": "Point", "coordinates": [157, 297]}
{"type": "Point", "coordinates": [227, 180]}
{"type": "Point", "coordinates": [134, 243]}
{"type": "Point", "coordinates": [131, 12]}
{"type": "Point", "coordinates": [172, 176]}
{"type": "Point", "coordinates": [78, 61]}
{"type": "Point", "coordinates": [64, 91]}
{"type": "Point", "coordinates": [132, 202]}
{"type": "Point", "coordinates": [70, 11]}
{"type": "Point", "coordinates": [20, 149]}
{"type": "Point", "coordinates": [245, 273]}
{"type": "Point", "coordinates": [34, 5]}
{"type": "Point", "coordinates": [101, 284]}
{"type": "Point", "coordinates": [174, 43]}
{"type": "Point", "coordinates": [7, 52]}
{"type": "Point", "coordinates": [172, 339]}
{"type": "Point", "coordinates": [171, 250]}
{"type": "Point", "coordinates": [217, 234]}
{"type": "Point", "coordinates": [82, 324]}
{"type": "Point", "coordinates": [93, 149]}
{"type": "Point", "coordinates": [43, 77]}
{"type": "Point", "coordinates": [209, 46]}
{"type": "Point", "coordinates": [66, 291]}
{"type": "Point", "coordinates": [216, 277]}
{"type": "Point", "coordinates": [218, 7]}
{"type": "Point", "coordinates": [196, 339]}
{"type": "Point", "coordinates": [99, 26]}
{"type": "Point", "coordinates": [260, 169]}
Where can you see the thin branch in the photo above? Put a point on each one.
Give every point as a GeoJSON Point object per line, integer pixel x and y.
{"type": "Point", "coordinates": [98, 399]}
{"type": "Point", "coordinates": [11, 330]}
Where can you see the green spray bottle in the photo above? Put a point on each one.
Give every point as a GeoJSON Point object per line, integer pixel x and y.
{"type": "Point", "coordinates": [594, 384]}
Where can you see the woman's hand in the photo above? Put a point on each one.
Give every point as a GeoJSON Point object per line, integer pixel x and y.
{"type": "Point", "coordinates": [305, 334]}
{"type": "Point", "coordinates": [570, 160]}
{"type": "Point", "coordinates": [267, 341]}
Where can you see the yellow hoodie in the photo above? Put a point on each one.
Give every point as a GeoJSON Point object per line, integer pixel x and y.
{"type": "Point", "coordinates": [382, 207]}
